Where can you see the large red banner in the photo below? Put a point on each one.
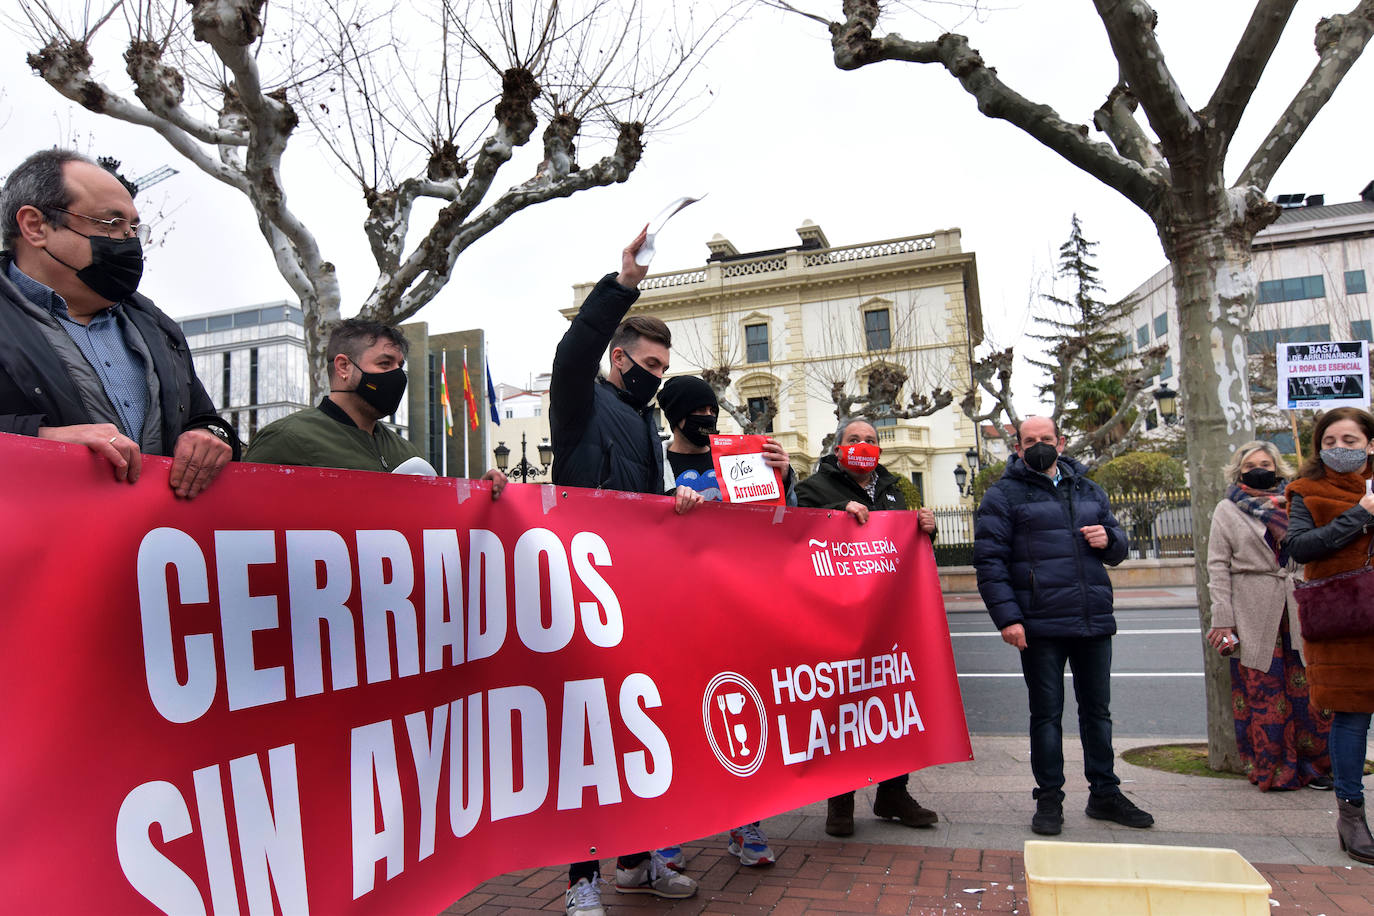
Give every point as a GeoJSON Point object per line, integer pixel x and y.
{"type": "Point", "coordinates": [333, 692]}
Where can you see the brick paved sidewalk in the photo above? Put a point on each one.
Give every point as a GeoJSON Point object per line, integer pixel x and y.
{"type": "Point", "coordinates": [835, 877]}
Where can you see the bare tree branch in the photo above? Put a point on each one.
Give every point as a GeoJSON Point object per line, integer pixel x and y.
{"type": "Point", "coordinates": [1116, 119]}
{"type": "Point", "coordinates": [996, 365]}
{"type": "Point", "coordinates": [1109, 439]}
{"type": "Point", "coordinates": [1340, 41]}
{"type": "Point", "coordinates": [1131, 31]}
{"type": "Point", "coordinates": [609, 170]}
{"type": "Point", "coordinates": [855, 46]}
{"type": "Point", "coordinates": [66, 67]}
{"type": "Point", "coordinates": [1251, 56]}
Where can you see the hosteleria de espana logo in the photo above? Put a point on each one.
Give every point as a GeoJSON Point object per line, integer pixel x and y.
{"type": "Point", "coordinates": [852, 558]}
{"type": "Point", "coordinates": [732, 713]}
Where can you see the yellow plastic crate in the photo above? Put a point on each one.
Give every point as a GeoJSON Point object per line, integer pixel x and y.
{"type": "Point", "coordinates": [1132, 879]}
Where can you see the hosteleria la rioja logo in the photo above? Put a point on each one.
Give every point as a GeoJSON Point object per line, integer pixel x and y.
{"type": "Point", "coordinates": [732, 713]}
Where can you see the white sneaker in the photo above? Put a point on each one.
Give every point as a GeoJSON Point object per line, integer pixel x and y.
{"type": "Point", "coordinates": [584, 899]}
{"type": "Point", "coordinates": [749, 843]}
{"type": "Point", "coordinates": [654, 876]}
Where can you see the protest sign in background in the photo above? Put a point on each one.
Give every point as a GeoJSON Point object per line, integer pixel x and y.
{"type": "Point", "coordinates": [1323, 374]}
{"type": "Point", "coordinates": [335, 692]}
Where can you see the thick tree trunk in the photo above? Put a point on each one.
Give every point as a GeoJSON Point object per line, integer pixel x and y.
{"type": "Point", "coordinates": [1215, 287]}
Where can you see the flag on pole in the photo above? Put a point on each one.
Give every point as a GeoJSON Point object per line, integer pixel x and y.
{"type": "Point", "coordinates": [468, 396]}
{"type": "Point", "coordinates": [491, 399]}
{"type": "Point", "coordinates": [443, 395]}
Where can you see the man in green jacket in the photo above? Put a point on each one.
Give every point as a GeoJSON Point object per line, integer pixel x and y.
{"type": "Point", "coordinates": [852, 479]}
{"type": "Point", "coordinates": [367, 381]}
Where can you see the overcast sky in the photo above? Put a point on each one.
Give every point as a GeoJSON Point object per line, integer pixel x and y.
{"type": "Point", "coordinates": [887, 151]}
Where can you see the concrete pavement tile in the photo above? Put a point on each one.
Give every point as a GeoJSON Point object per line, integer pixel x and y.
{"type": "Point", "coordinates": [1292, 824]}
{"type": "Point", "coordinates": [781, 824]}
{"type": "Point", "coordinates": [974, 782]}
{"type": "Point", "coordinates": [990, 836]}
{"type": "Point", "coordinates": [964, 805]}
{"type": "Point", "coordinates": [1322, 850]}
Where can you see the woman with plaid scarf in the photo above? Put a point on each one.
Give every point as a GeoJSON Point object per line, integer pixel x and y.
{"type": "Point", "coordinates": [1281, 737]}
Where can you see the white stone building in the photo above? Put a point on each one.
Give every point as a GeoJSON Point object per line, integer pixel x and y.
{"type": "Point", "coordinates": [791, 323]}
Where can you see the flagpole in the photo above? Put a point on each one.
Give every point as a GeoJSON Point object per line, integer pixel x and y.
{"type": "Point", "coordinates": [443, 426]}
{"type": "Point", "coordinates": [467, 384]}
{"type": "Point", "coordinates": [486, 418]}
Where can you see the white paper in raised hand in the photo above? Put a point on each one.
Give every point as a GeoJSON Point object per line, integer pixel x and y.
{"type": "Point", "coordinates": [645, 254]}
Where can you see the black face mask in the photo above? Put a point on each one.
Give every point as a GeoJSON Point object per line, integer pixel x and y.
{"type": "Point", "coordinates": [115, 269]}
{"type": "Point", "coordinates": [1040, 456]}
{"type": "Point", "coordinates": [382, 391]}
{"type": "Point", "coordinates": [698, 428]}
{"type": "Point", "coordinates": [1259, 479]}
{"type": "Point", "coordinates": [639, 383]}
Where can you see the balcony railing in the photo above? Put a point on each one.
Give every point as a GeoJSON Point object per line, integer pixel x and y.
{"type": "Point", "coordinates": [797, 259]}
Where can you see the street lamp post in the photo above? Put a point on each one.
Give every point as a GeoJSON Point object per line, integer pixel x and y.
{"type": "Point", "coordinates": [1167, 400]}
{"type": "Point", "coordinates": [967, 475]}
{"type": "Point", "coordinates": [523, 470]}
{"type": "Point", "coordinates": [962, 477]}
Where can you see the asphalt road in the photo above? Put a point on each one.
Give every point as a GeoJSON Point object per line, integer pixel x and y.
{"type": "Point", "coordinates": [1156, 676]}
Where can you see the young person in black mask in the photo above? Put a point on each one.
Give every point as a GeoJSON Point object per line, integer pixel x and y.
{"type": "Point", "coordinates": [84, 358]}
{"type": "Point", "coordinates": [604, 437]}
{"type": "Point", "coordinates": [367, 381]}
{"type": "Point", "coordinates": [690, 407]}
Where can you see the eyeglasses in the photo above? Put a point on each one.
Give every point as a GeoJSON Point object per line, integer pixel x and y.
{"type": "Point", "coordinates": [117, 228]}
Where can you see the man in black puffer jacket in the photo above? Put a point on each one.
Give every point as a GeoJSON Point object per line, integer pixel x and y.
{"type": "Point", "coordinates": [1043, 535]}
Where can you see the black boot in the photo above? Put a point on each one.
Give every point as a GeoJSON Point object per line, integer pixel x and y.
{"type": "Point", "coordinates": [892, 801]}
{"type": "Point", "coordinates": [1353, 832]}
{"type": "Point", "coordinates": [839, 815]}
{"type": "Point", "coordinates": [1049, 812]}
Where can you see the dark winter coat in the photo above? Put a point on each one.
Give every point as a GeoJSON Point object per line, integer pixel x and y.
{"type": "Point", "coordinates": [600, 440]}
{"type": "Point", "coordinates": [36, 390]}
{"type": "Point", "coordinates": [832, 487]}
{"type": "Point", "coordinates": [1034, 566]}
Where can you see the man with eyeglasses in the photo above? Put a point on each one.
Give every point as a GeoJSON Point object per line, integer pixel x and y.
{"type": "Point", "coordinates": [84, 358]}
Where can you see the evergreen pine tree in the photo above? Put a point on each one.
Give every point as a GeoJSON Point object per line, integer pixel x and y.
{"type": "Point", "coordinates": [1087, 354]}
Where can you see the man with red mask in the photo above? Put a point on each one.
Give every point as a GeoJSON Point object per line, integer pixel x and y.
{"type": "Point", "coordinates": [852, 479]}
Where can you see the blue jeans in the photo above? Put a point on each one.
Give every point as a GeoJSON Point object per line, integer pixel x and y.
{"type": "Point", "coordinates": [1090, 660]}
{"type": "Point", "coordinates": [1349, 732]}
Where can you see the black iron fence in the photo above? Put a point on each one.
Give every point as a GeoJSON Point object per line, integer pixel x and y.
{"type": "Point", "coordinates": [1158, 525]}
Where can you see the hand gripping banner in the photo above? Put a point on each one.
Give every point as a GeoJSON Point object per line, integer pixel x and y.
{"type": "Point", "coordinates": [332, 692]}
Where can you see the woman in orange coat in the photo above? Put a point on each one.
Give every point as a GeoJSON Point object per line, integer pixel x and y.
{"type": "Point", "coordinates": [1331, 523]}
